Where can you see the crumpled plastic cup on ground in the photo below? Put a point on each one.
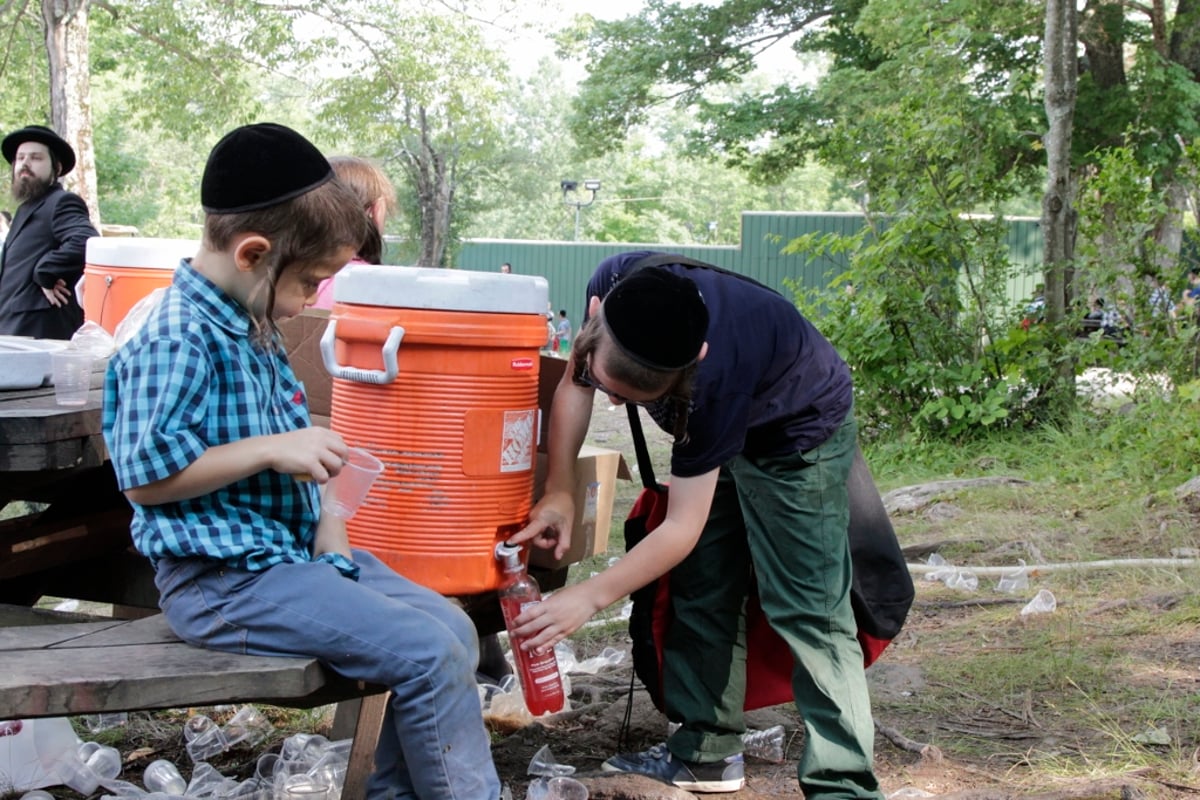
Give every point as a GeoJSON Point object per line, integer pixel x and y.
{"type": "Point", "coordinates": [1043, 602]}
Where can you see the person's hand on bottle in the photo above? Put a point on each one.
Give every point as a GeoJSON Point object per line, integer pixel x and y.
{"type": "Point", "coordinates": [547, 623]}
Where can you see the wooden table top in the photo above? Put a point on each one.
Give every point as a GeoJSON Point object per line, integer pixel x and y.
{"type": "Point", "coordinates": [37, 434]}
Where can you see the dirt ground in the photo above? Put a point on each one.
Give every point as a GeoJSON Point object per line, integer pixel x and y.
{"type": "Point", "coordinates": [1002, 766]}
{"type": "Point", "coordinates": [596, 727]}
{"type": "Point", "coordinates": [1027, 741]}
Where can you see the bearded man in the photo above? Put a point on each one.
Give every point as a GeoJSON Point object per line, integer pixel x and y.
{"type": "Point", "coordinates": [43, 255]}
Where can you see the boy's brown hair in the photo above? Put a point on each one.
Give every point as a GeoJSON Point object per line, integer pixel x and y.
{"type": "Point", "coordinates": [303, 230]}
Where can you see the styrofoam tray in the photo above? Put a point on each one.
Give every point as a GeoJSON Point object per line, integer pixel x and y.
{"type": "Point", "coordinates": [25, 362]}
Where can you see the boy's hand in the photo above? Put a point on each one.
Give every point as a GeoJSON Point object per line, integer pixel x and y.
{"type": "Point", "coordinates": [545, 624]}
{"type": "Point", "coordinates": [549, 524]}
{"type": "Point", "coordinates": [315, 453]}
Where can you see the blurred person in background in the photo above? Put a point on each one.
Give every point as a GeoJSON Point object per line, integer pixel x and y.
{"type": "Point", "coordinates": [44, 249]}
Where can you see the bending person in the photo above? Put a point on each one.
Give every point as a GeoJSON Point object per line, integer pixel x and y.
{"type": "Point", "coordinates": [761, 408]}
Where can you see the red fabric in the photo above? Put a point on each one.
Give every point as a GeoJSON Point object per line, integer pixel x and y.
{"type": "Point", "coordinates": [768, 659]}
{"type": "Point", "coordinates": [872, 647]}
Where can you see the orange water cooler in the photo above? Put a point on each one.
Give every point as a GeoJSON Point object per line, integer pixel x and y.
{"type": "Point", "coordinates": [435, 371]}
{"type": "Point", "coordinates": [120, 271]}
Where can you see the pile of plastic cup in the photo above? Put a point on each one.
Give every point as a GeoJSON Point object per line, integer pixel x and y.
{"type": "Point", "coordinates": [205, 738]}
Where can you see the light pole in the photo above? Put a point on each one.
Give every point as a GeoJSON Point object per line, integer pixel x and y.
{"type": "Point", "coordinates": [592, 185]}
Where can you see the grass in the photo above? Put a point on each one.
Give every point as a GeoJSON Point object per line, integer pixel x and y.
{"type": "Point", "coordinates": [1034, 700]}
{"type": "Point", "coordinates": [1069, 694]}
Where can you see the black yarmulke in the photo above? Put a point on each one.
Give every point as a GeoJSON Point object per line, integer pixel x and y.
{"type": "Point", "coordinates": [259, 166]}
{"type": "Point", "coordinates": [657, 318]}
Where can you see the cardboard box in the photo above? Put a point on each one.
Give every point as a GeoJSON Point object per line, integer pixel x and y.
{"type": "Point", "coordinates": [550, 372]}
{"type": "Point", "coordinates": [596, 474]}
{"type": "Point", "coordinates": [302, 335]}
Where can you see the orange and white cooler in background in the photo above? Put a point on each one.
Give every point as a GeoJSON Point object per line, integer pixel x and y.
{"type": "Point", "coordinates": [435, 372]}
{"type": "Point", "coordinates": [120, 271]}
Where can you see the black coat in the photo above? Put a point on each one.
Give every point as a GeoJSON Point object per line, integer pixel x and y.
{"type": "Point", "coordinates": [47, 241]}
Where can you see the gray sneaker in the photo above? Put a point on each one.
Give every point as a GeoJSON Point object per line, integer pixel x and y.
{"type": "Point", "coordinates": [727, 775]}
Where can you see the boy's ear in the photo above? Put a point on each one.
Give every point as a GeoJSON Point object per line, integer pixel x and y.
{"type": "Point", "coordinates": [250, 251]}
{"type": "Point", "coordinates": [593, 306]}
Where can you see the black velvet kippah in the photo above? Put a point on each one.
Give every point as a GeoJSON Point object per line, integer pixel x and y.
{"type": "Point", "coordinates": [259, 166]}
{"type": "Point", "coordinates": [657, 318]}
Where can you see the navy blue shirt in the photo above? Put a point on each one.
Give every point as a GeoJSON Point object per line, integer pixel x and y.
{"type": "Point", "coordinates": [771, 383]}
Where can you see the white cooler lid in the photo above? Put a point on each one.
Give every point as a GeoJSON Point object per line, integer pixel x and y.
{"type": "Point", "coordinates": [135, 251]}
{"type": "Point", "coordinates": [445, 289]}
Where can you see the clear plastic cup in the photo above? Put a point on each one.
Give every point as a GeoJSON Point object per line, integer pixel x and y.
{"type": "Point", "coordinates": [37, 794]}
{"type": "Point", "coordinates": [207, 781]}
{"type": "Point", "coordinates": [163, 776]}
{"type": "Point", "coordinates": [345, 491]}
{"type": "Point", "coordinates": [72, 370]}
{"type": "Point", "coordinates": [302, 787]}
{"type": "Point", "coordinates": [104, 761]}
{"type": "Point", "coordinates": [562, 788]}
{"type": "Point", "coordinates": [247, 727]}
{"type": "Point", "coordinates": [204, 738]}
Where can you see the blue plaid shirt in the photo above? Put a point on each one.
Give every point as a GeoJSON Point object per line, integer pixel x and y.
{"type": "Point", "coordinates": [189, 380]}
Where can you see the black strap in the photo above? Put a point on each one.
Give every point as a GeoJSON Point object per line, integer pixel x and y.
{"type": "Point", "coordinates": [639, 444]}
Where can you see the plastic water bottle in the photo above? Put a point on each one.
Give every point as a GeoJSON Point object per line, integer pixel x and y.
{"type": "Point", "coordinates": [541, 682]}
{"type": "Point", "coordinates": [766, 744]}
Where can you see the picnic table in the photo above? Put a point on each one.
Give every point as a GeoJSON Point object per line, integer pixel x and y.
{"type": "Point", "coordinates": [71, 539]}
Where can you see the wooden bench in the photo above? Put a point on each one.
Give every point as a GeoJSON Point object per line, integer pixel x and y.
{"type": "Point", "coordinates": [52, 665]}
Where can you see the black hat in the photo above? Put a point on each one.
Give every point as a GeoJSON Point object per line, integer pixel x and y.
{"type": "Point", "coordinates": [259, 166]}
{"type": "Point", "coordinates": [39, 133]}
{"type": "Point", "coordinates": [657, 318]}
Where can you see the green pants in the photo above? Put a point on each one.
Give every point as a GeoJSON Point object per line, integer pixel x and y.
{"type": "Point", "coordinates": [785, 518]}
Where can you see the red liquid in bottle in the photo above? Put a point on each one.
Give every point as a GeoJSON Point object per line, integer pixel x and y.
{"type": "Point", "coordinates": [541, 683]}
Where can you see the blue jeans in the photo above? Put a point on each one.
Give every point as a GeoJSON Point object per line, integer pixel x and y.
{"type": "Point", "coordinates": [383, 629]}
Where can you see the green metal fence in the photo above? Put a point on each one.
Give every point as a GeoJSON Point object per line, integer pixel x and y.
{"type": "Point", "coordinates": [568, 265]}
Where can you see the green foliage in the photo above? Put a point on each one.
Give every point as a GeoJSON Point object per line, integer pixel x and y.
{"type": "Point", "coordinates": [23, 66]}
{"type": "Point", "coordinates": [420, 94]}
{"type": "Point", "coordinates": [929, 297]}
{"type": "Point", "coordinates": [652, 190]}
{"type": "Point", "coordinates": [676, 53]}
{"type": "Point", "coordinates": [1148, 444]}
{"type": "Point", "coordinates": [186, 67]}
{"type": "Point", "coordinates": [1119, 259]}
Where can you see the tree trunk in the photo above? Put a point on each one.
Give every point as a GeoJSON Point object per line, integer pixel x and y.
{"type": "Point", "coordinates": [432, 176]}
{"type": "Point", "coordinates": [1185, 51]}
{"type": "Point", "coordinates": [1058, 210]}
{"type": "Point", "coordinates": [66, 28]}
{"type": "Point", "coordinates": [1185, 36]}
{"type": "Point", "coordinates": [1101, 33]}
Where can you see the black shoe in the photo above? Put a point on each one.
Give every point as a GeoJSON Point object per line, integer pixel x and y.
{"type": "Point", "coordinates": [727, 775]}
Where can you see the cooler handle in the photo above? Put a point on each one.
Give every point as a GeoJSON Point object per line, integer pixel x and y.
{"type": "Point", "coordinates": [375, 376]}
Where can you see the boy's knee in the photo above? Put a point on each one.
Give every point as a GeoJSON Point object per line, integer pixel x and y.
{"type": "Point", "coordinates": [460, 624]}
{"type": "Point", "coordinates": [451, 659]}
